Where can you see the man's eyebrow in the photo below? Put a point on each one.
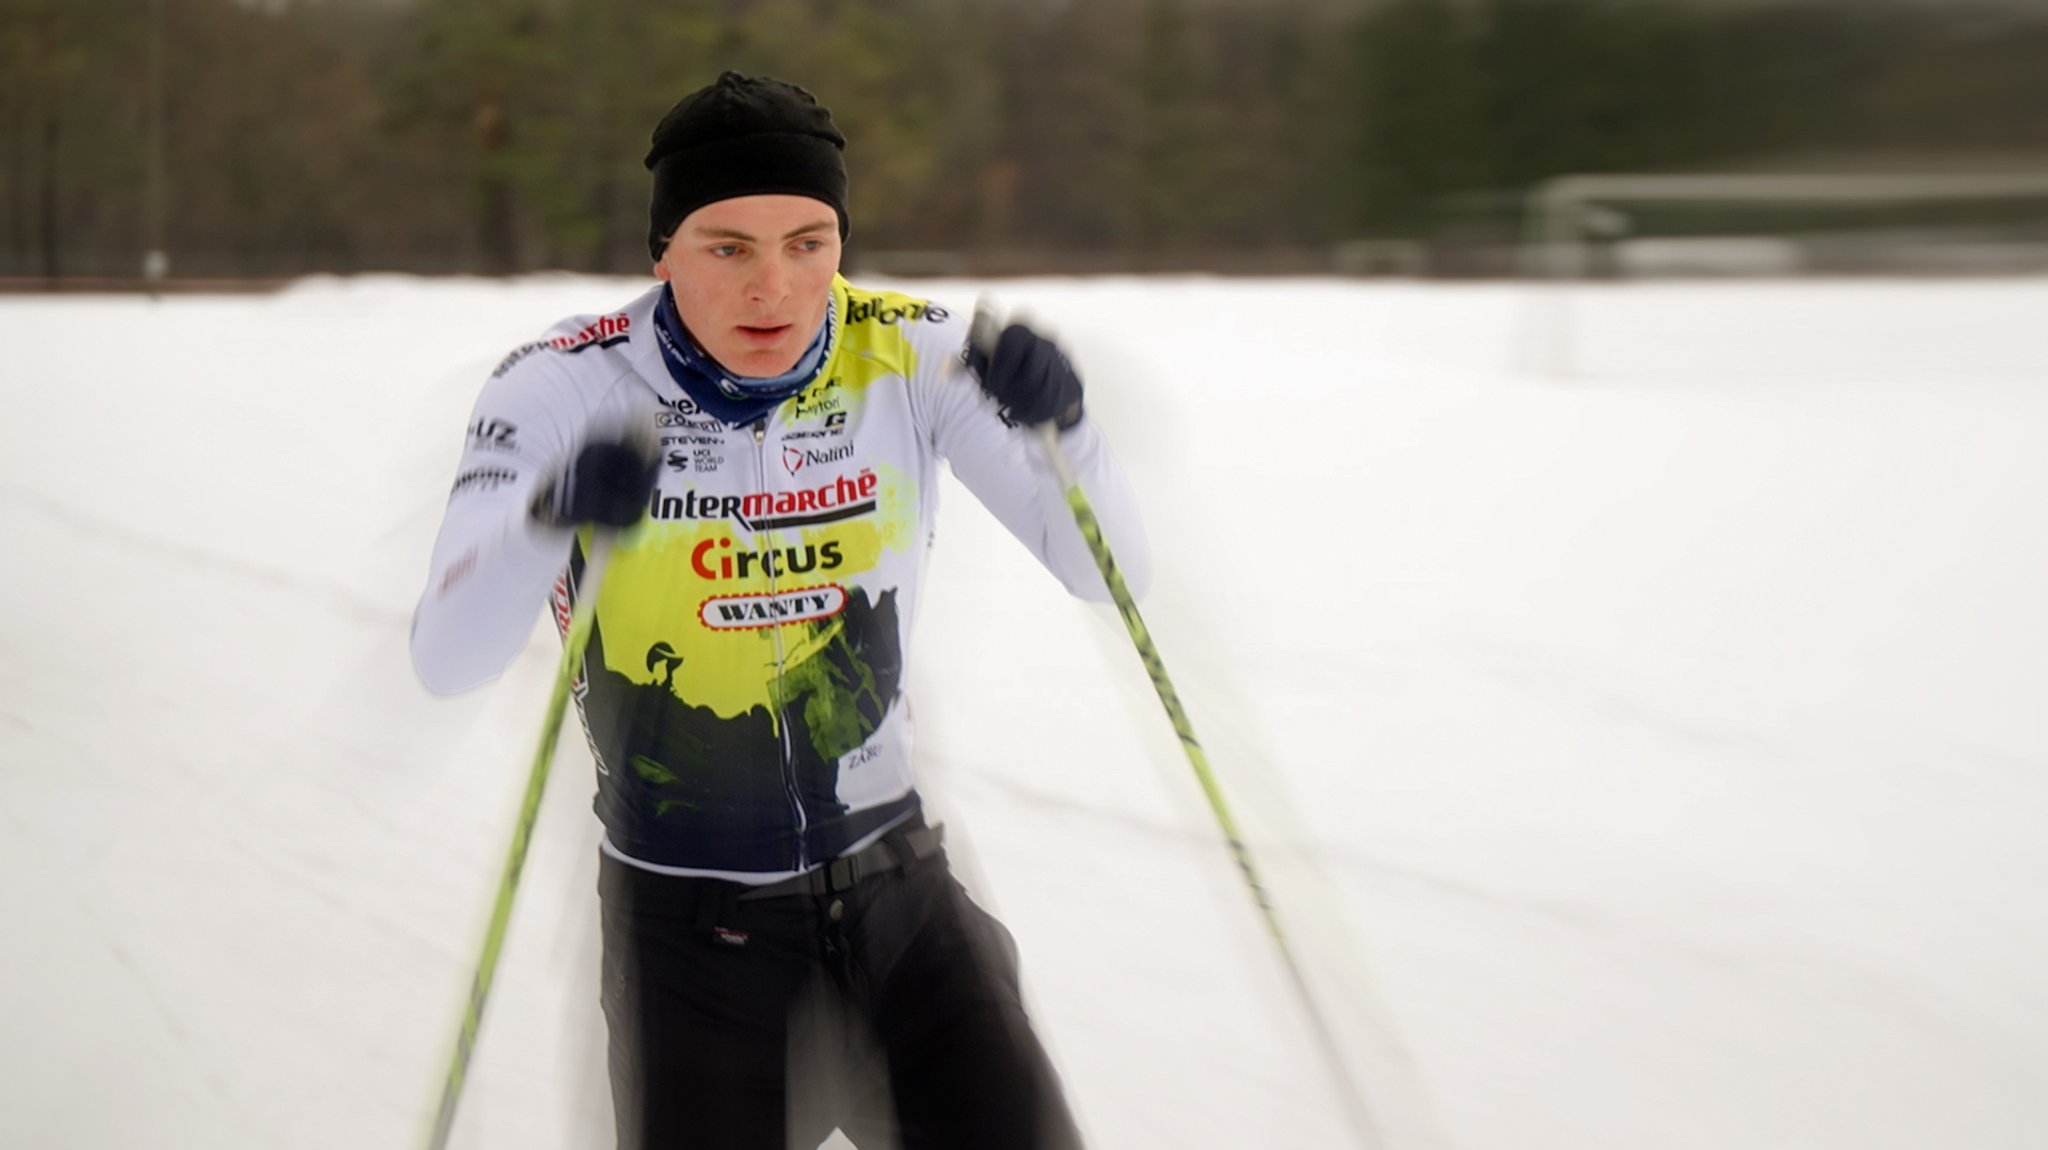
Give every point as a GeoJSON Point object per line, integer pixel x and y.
{"type": "Point", "coordinates": [734, 234]}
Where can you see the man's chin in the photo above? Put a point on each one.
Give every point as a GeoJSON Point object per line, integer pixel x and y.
{"type": "Point", "coordinates": [757, 364]}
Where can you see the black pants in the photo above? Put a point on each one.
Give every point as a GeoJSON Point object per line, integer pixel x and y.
{"type": "Point", "coordinates": [889, 1010]}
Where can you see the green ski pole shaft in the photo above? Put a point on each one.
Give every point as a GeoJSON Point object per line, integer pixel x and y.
{"type": "Point", "coordinates": [574, 641]}
{"type": "Point", "coordinates": [1155, 667]}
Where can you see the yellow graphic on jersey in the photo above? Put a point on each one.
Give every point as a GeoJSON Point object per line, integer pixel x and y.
{"type": "Point", "coordinates": [716, 608]}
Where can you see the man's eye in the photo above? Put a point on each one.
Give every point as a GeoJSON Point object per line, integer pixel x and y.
{"type": "Point", "coordinates": [726, 250]}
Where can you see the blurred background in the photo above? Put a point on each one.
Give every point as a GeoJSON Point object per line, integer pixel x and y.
{"type": "Point", "coordinates": [262, 139]}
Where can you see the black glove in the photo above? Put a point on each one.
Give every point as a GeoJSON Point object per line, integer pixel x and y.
{"type": "Point", "coordinates": [1029, 376]}
{"type": "Point", "coordinates": [608, 483]}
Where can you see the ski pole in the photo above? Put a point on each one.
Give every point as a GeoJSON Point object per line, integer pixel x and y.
{"type": "Point", "coordinates": [983, 336]}
{"type": "Point", "coordinates": [574, 640]}
{"type": "Point", "coordinates": [1155, 667]}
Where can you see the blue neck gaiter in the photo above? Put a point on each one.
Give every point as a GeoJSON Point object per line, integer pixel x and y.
{"type": "Point", "coordinates": [732, 399]}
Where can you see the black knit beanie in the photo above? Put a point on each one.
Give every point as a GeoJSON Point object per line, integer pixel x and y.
{"type": "Point", "coordinates": [743, 137]}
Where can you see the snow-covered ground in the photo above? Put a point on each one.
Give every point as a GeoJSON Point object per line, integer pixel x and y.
{"type": "Point", "coordinates": [1636, 694]}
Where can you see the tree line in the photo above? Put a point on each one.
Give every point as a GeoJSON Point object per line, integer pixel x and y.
{"type": "Point", "coordinates": [498, 136]}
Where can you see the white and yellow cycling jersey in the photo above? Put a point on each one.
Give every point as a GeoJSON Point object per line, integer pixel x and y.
{"type": "Point", "coordinates": [742, 691]}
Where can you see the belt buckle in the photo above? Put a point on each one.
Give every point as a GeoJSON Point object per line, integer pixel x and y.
{"type": "Point", "coordinates": [841, 873]}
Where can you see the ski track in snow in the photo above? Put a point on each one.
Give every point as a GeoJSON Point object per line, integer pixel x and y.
{"type": "Point", "coordinates": [1631, 694]}
{"type": "Point", "coordinates": [119, 537]}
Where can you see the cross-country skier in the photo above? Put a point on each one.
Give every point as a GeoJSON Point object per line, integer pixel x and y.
{"type": "Point", "coordinates": [785, 950]}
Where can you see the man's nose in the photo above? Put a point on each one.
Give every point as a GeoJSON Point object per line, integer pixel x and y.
{"type": "Point", "coordinates": [771, 280]}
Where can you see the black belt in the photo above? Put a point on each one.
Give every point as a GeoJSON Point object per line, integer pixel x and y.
{"type": "Point", "coordinates": [893, 851]}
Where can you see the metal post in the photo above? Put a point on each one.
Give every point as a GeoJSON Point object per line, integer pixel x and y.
{"type": "Point", "coordinates": [156, 260]}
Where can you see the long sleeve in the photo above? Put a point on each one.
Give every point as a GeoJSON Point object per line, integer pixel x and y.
{"type": "Point", "coordinates": [492, 567]}
{"type": "Point", "coordinates": [1006, 469]}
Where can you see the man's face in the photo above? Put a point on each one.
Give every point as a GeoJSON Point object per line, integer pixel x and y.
{"type": "Point", "coordinates": [752, 277]}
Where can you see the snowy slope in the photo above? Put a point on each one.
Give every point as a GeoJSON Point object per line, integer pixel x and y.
{"type": "Point", "coordinates": [1648, 753]}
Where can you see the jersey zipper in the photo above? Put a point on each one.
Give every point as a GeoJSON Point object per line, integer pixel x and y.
{"type": "Point", "coordinates": [789, 784]}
